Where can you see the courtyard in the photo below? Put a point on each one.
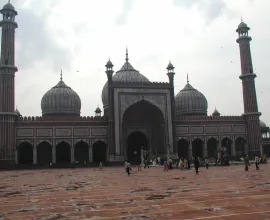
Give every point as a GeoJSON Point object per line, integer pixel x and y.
{"type": "Point", "coordinates": [87, 193]}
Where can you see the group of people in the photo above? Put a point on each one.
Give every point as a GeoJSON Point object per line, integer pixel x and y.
{"type": "Point", "coordinates": [257, 161]}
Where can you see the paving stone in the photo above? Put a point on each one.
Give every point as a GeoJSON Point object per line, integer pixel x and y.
{"type": "Point", "coordinates": [218, 193]}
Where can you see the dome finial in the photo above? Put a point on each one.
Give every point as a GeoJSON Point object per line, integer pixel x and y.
{"type": "Point", "coordinates": [241, 19]}
{"type": "Point", "coordinates": [61, 75]}
{"type": "Point", "coordinates": [8, 1]}
{"type": "Point", "coordinates": [187, 79]}
{"type": "Point", "coordinates": [126, 54]}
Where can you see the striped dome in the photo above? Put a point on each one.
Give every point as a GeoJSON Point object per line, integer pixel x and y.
{"type": "Point", "coordinates": [190, 101]}
{"type": "Point", "coordinates": [61, 100]}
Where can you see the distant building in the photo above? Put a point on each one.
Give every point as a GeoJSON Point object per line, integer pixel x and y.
{"type": "Point", "coordinates": [139, 115]}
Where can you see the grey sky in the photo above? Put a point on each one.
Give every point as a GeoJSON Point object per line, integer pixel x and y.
{"type": "Point", "coordinates": [197, 36]}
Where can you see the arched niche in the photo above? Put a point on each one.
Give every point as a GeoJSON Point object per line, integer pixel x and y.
{"type": "Point", "coordinates": [227, 144]}
{"type": "Point", "coordinates": [25, 153]}
{"type": "Point", "coordinates": [266, 150]}
{"type": "Point", "coordinates": [183, 148]}
{"type": "Point", "coordinates": [99, 149]}
{"type": "Point", "coordinates": [212, 146]}
{"type": "Point", "coordinates": [135, 142]}
{"type": "Point", "coordinates": [197, 148]}
{"type": "Point", "coordinates": [144, 115]}
{"type": "Point", "coordinates": [81, 152]}
{"type": "Point", "coordinates": [63, 150]}
{"type": "Point", "coordinates": [240, 147]}
{"type": "Point", "coordinates": [44, 153]}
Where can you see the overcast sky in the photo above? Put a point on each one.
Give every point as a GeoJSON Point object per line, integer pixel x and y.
{"type": "Point", "coordinates": [198, 36]}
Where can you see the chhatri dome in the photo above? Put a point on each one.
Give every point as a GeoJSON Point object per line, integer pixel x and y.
{"type": "Point", "coordinates": [190, 101]}
{"type": "Point", "coordinates": [126, 74]}
{"type": "Point", "coordinates": [9, 6]}
{"type": "Point", "coordinates": [61, 100]}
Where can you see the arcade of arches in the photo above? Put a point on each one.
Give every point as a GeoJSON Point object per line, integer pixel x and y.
{"type": "Point", "coordinates": [143, 116]}
{"type": "Point", "coordinates": [212, 147]}
{"type": "Point", "coordinates": [63, 153]}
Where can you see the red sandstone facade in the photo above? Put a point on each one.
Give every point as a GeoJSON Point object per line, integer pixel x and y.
{"type": "Point", "coordinates": [163, 128]}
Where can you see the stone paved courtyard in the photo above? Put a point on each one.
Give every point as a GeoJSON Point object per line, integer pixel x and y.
{"type": "Point", "coordinates": [86, 193]}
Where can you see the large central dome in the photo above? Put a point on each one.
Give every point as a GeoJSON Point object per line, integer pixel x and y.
{"type": "Point", "coordinates": [61, 100]}
{"type": "Point", "coordinates": [126, 74]}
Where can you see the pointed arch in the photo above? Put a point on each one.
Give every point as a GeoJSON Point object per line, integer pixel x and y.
{"type": "Point", "coordinates": [99, 149]}
{"type": "Point", "coordinates": [81, 151]}
{"type": "Point", "coordinates": [227, 143]}
{"type": "Point", "coordinates": [141, 98]}
{"type": "Point", "coordinates": [183, 148]}
{"type": "Point", "coordinates": [240, 146]}
{"type": "Point", "coordinates": [63, 152]}
{"type": "Point", "coordinates": [25, 153]}
{"type": "Point", "coordinates": [44, 153]}
{"type": "Point", "coordinates": [197, 148]}
{"type": "Point", "coordinates": [212, 146]}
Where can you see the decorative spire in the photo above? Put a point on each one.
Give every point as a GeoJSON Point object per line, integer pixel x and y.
{"type": "Point", "coordinates": [241, 19]}
{"type": "Point", "coordinates": [61, 75]}
{"type": "Point", "coordinates": [187, 79]}
{"type": "Point", "coordinates": [8, 1]}
{"type": "Point", "coordinates": [126, 54]}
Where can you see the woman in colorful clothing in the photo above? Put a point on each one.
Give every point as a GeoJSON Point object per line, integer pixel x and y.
{"type": "Point", "coordinates": [181, 164]}
{"type": "Point", "coordinates": [185, 164]}
{"type": "Point", "coordinates": [166, 166]}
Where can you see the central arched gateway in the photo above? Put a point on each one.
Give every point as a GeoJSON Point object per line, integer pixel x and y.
{"type": "Point", "coordinates": [143, 124]}
{"type": "Point", "coordinates": [135, 142]}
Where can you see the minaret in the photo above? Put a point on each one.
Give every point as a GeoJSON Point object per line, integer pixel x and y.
{"type": "Point", "coordinates": [109, 72]}
{"type": "Point", "coordinates": [247, 76]}
{"type": "Point", "coordinates": [171, 73]}
{"type": "Point", "coordinates": [7, 88]}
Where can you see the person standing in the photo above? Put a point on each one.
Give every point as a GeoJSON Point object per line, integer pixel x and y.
{"type": "Point", "coordinates": [166, 165]}
{"type": "Point", "coordinates": [257, 162]}
{"type": "Point", "coordinates": [188, 163]}
{"type": "Point", "coordinates": [246, 161]}
{"type": "Point", "coordinates": [206, 163]}
{"type": "Point", "coordinates": [196, 165]}
{"type": "Point", "coordinates": [100, 166]}
{"type": "Point", "coordinates": [128, 169]}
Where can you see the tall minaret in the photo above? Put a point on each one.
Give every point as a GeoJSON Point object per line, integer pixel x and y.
{"type": "Point", "coordinates": [7, 89]}
{"type": "Point", "coordinates": [251, 113]}
{"type": "Point", "coordinates": [171, 73]}
{"type": "Point", "coordinates": [109, 72]}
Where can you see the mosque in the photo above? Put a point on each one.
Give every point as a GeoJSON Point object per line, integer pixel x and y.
{"type": "Point", "coordinates": [139, 116]}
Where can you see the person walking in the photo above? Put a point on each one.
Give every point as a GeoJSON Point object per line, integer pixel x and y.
{"type": "Point", "coordinates": [257, 162]}
{"type": "Point", "coordinates": [196, 165]}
